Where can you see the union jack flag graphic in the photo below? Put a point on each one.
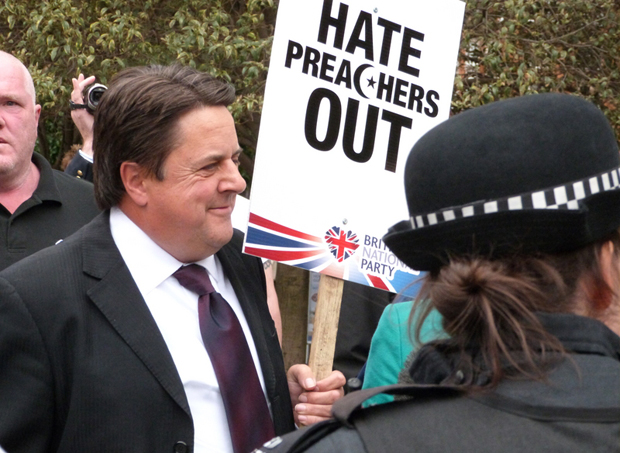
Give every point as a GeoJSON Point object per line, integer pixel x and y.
{"type": "Point", "coordinates": [341, 244]}
{"type": "Point", "coordinates": [326, 254]}
{"type": "Point", "coordinates": [277, 242]}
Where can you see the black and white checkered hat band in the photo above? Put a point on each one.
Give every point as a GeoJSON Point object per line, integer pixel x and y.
{"type": "Point", "coordinates": [566, 197]}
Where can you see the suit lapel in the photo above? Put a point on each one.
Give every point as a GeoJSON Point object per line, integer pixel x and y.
{"type": "Point", "coordinates": [250, 294]}
{"type": "Point", "coordinates": [118, 298]}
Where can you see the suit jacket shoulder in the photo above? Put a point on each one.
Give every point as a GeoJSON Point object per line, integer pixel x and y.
{"type": "Point", "coordinates": [247, 276]}
{"type": "Point", "coordinates": [84, 365]}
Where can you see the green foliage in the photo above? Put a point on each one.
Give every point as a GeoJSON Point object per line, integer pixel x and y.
{"type": "Point", "coordinates": [58, 39]}
{"type": "Point", "coordinates": [515, 47]}
{"type": "Point", "coordinates": [508, 48]}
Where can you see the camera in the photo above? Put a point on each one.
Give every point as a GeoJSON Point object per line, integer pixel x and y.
{"type": "Point", "coordinates": [91, 96]}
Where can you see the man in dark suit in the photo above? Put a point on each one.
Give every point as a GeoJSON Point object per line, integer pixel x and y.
{"type": "Point", "coordinates": [101, 342]}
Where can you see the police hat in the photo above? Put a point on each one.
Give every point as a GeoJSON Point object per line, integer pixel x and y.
{"type": "Point", "coordinates": [539, 173]}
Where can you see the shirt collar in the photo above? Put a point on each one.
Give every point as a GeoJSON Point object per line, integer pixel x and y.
{"type": "Point", "coordinates": [148, 263]}
{"type": "Point", "coordinates": [582, 334]}
{"type": "Point", "coordinates": [46, 189]}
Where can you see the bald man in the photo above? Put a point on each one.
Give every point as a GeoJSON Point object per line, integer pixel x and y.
{"type": "Point", "coordinates": [39, 206]}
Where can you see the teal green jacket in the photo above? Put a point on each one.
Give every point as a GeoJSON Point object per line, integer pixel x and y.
{"type": "Point", "coordinates": [391, 345]}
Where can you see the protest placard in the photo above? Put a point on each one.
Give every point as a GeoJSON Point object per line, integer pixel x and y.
{"type": "Point", "coordinates": [352, 85]}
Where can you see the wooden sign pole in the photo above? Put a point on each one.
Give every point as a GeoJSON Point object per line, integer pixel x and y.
{"type": "Point", "coordinates": [326, 318]}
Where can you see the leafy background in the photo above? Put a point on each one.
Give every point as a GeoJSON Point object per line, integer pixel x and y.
{"type": "Point", "coordinates": [508, 48]}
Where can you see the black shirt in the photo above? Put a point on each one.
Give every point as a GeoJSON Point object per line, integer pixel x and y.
{"type": "Point", "coordinates": [59, 206]}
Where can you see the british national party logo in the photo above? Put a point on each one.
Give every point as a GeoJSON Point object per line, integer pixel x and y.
{"type": "Point", "coordinates": [341, 244]}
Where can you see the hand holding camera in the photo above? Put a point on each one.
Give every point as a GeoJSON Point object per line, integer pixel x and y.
{"type": "Point", "coordinates": [90, 98]}
{"type": "Point", "coordinates": [84, 100]}
{"type": "Point", "coordinates": [90, 92]}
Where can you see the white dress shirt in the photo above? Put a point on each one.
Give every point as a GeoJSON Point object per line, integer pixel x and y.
{"type": "Point", "coordinates": [175, 310]}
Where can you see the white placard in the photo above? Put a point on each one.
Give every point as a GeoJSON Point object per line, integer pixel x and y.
{"type": "Point", "coordinates": [351, 87]}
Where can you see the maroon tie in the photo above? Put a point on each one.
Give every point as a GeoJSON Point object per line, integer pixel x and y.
{"type": "Point", "coordinates": [246, 407]}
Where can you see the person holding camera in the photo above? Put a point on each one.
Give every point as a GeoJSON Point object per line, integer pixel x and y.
{"type": "Point", "coordinates": [40, 206]}
{"type": "Point", "coordinates": [84, 99]}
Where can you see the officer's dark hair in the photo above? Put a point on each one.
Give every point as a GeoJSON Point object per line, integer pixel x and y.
{"type": "Point", "coordinates": [489, 309]}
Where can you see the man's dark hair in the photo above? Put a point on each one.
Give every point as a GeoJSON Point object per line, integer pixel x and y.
{"type": "Point", "coordinates": [136, 118]}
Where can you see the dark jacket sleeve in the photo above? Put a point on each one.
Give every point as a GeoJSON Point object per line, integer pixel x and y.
{"type": "Point", "coordinates": [25, 379]}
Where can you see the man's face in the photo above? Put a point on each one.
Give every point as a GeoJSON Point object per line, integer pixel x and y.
{"type": "Point", "coordinates": [19, 117]}
{"type": "Point", "coordinates": [189, 211]}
